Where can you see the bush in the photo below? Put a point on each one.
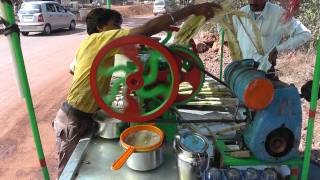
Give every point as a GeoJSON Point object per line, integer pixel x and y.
{"type": "Point", "coordinates": [309, 15]}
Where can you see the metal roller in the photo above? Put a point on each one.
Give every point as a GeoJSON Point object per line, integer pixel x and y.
{"type": "Point", "coordinates": [248, 84]}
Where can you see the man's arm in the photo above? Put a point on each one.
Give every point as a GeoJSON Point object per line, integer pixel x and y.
{"type": "Point", "coordinates": [160, 23]}
{"type": "Point", "coordinates": [72, 66]}
{"type": "Point", "coordinates": [298, 35]}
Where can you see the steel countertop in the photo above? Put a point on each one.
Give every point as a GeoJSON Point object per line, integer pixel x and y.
{"type": "Point", "coordinates": [101, 153]}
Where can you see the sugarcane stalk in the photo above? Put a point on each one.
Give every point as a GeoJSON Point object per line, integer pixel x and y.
{"type": "Point", "coordinates": [239, 126]}
{"type": "Point", "coordinates": [217, 99]}
{"type": "Point", "coordinates": [206, 89]}
{"type": "Point", "coordinates": [240, 154]}
{"type": "Point", "coordinates": [207, 93]}
{"type": "Point", "coordinates": [207, 104]}
{"type": "Point", "coordinates": [188, 88]}
{"type": "Point", "coordinates": [214, 95]}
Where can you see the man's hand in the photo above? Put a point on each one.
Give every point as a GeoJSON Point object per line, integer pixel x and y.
{"type": "Point", "coordinates": [273, 56]}
{"type": "Point", "coordinates": [206, 9]}
{"type": "Point", "coordinates": [161, 23]}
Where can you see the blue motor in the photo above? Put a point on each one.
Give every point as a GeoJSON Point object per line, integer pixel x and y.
{"type": "Point", "coordinates": [274, 134]}
{"type": "Point", "coordinates": [248, 84]}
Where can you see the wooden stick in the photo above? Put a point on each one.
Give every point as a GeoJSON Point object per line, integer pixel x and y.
{"type": "Point", "coordinates": [217, 99]}
{"type": "Point", "coordinates": [241, 154]}
{"type": "Point", "coordinates": [232, 128]}
{"type": "Point", "coordinates": [207, 93]}
{"type": "Point", "coordinates": [183, 88]}
{"type": "Point", "coordinates": [212, 103]}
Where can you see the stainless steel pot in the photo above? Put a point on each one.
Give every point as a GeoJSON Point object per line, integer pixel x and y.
{"type": "Point", "coordinates": [140, 153]}
{"type": "Point", "coordinates": [109, 128]}
{"type": "Point", "coordinates": [192, 159]}
{"type": "Point", "coordinates": [145, 161]}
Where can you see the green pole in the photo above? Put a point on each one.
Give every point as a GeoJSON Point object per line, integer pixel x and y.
{"type": "Point", "coordinates": [312, 113]}
{"type": "Point", "coordinates": [17, 53]}
{"type": "Point", "coordinates": [108, 3]}
{"type": "Point", "coordinates": [221, 50]}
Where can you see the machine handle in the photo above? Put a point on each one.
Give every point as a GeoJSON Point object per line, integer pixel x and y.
{"type": "Point", "coordinates": [123, 158]}
{"type": "Point", "coordinates": [176, 142]}
{"type": "Point", "coordinates": [306, 91]}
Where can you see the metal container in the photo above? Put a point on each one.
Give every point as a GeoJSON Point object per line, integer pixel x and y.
{"type": "Point", "coordinates": [233, 174]}
{"type": "Point", "coordinates": [192, 159]}
{"type": "Point", "coordinates": [269, 174]}
{"type": "Point", "coordinates": [252, 174]}
{"type": "Point", "coordinates": [109, 128]}
{"type": "Point", "coordinates": [145, 161]}
{"type": "Point", "coordinates": [214, 174]}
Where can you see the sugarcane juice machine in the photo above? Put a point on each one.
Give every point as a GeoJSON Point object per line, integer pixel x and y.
{"type": "Point", "coordinates": [145, 85]}
{"type": "Point", "coordinates": [148, 91]}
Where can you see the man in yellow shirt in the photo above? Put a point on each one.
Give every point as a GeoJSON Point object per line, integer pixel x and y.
{"type": "Point", "coordinates": [73, 120]}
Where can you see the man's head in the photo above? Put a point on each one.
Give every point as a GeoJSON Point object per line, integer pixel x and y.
{"type": "Point", "coordinates": [101, 19]}
{"type": "Point", "coordinates": [257, 5]}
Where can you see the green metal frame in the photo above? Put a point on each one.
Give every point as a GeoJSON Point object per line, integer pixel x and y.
{"type": "Point", "coordinates": [108, 4]}
{"type": "Point", "coordinates": [14, 40]}
{"type": "Point", "coordinates": [313, 110]}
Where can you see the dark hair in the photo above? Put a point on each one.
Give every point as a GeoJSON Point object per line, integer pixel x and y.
{"type": "Point", "coordinates": [99, 17]}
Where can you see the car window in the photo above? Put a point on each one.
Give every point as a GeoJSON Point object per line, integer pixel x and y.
{"type": "Point", "coordinates": [159, 3]}
{"type": "Point", "coordinates": [60, 8]}
{"type": "Point", "coordinates": [50, 8]}
{"type": "Point", "coordinates": [30, 8]}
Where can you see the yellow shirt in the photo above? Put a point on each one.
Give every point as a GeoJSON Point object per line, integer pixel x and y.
{"type": "Point", "coordinates": [80, 95]}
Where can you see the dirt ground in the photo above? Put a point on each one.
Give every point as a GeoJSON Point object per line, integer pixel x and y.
{"type": "Point", "coordinates": [134, 10]}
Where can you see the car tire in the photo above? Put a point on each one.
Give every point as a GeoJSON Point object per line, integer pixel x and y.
{"type": "Point", "coordinates": [25, 33]}
{"type": "Point", "coordinates": [47, 29]}
{"type": "Point", "coordinates": [72, 25]}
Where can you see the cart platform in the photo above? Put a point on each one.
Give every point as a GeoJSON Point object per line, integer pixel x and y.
{"type": "Point", "coordinates": [94, 156]}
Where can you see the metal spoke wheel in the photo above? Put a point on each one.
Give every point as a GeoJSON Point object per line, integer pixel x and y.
{"type": "Point", "coordinates": [191, 73]}
{"type": "Point", "coordinates": [138, 94]}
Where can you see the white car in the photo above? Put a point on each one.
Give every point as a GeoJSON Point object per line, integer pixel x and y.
{"type": "Point", "coordinates": [163, 7]}
{"type": "Point", "coordinates": [44, 16]}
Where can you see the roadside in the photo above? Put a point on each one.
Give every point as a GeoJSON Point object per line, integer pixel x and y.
{"type": "Point", "coordinates": [47, 60]}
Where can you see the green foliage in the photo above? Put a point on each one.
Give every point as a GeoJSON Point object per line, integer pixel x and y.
{"type": "Point", "coordinates": [309, 15]}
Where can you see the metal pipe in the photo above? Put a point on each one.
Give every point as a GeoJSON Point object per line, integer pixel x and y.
{"type": "Point", "coordinates": [17, 54]}
{"type": "Point", "coordinates": [108, 4]}
{"type": "Point", "coordinates": [312, 113]}
{"type": "Point", "coordinates": [221, 50]}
